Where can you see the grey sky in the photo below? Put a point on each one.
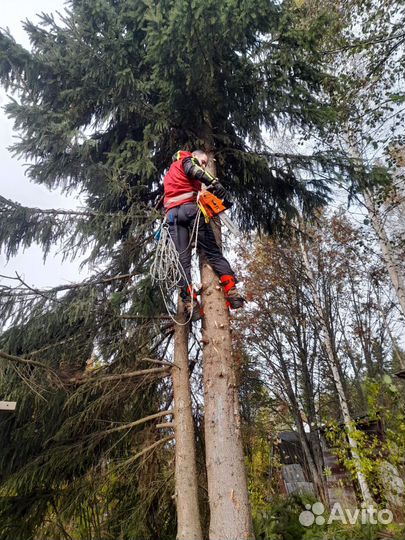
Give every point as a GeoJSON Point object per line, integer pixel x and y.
{"type": "Point", "coordinates": [13, 183]}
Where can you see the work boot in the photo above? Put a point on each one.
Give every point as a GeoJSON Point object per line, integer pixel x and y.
{"type": "Point", "coordinates": [233, 299]}
{"type": "Point", "coordinates": [192, 306]}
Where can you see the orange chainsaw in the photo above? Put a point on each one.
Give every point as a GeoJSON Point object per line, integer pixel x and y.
{"type": "Point", "coordinates": [211, 205]}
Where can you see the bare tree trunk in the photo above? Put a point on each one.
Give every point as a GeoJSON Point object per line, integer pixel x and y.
{"type": "Point", "coordinates": [230, 515]}
{"type": "Point", "coordinates": [333, 364]}
{"type": "Point", "coordinates": [388, 254]}
{"type": "Point", "coordinates": [316, 449]}
{"type": "Point", "coordinates": [188, 515]}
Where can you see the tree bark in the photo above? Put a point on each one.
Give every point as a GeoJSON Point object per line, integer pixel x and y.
{"type": "Point", "coordinates": [230, 515]}
{"type": "Point", "coordinates": [188, 514]}
{"type": "Point", "coordinates": [334, 367]}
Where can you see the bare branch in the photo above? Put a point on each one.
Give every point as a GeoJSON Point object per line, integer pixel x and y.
{"type": "Point", "coordinates": [162, 362]}
{"type": "Point", "coordinates": [165, 425]}
{"type": "Point", "coordinates": [139, 422]}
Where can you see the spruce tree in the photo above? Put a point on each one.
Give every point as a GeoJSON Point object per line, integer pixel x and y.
{"type": "Point", "coordinates": [109, 91]}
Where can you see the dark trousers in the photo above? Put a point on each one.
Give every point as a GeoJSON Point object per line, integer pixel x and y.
{"type": "Point", "coordinates": [181, 220]}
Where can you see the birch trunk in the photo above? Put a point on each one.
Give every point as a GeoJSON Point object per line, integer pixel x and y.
{"type": "Point", "coordinates": [333, 364]}
{"type": "Point", "coordinates": [395, 274]}
{"type": "Point", "coordinates": [391, 261]}
{"type": "Point", "coordinates": [188, 515]}
{"type": "Point", "coordinates": [230, 515]}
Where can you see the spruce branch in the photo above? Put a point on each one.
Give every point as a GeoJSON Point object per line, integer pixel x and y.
{"type": "Point", "coordinates": [26, 361]}
{"type": "Point", "coordinates": [5, 204]}
{"type": "Point", "coordinates": [51, 346]}
{"type": "Point", "coordinates": [46, 293]}
{"type": "Point", "coordinates": [146, 450]}
{"type": "Point", "coordinates": [163, 371]}
{"type": "Point", "coordinates": [37, 292]}
{"type": "Point", "coordinates": [131, 425]}
{"type": "Point", "coordinates": [165, 425]}
{"type": "Point", "coordinates": [364, 43]}
{"type": "Point", "coordinates": [29, 383]}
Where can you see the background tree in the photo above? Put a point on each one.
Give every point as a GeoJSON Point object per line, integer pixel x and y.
{"type": "Point", "coordinates": [285, 347]}
{"type": "Point", "coordinates": [282, 330]}
{"type": "Point", "coordinates": [366, 49]}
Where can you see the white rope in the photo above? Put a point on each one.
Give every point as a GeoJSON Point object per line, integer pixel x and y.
{"type": "Point", "coordinates": [166, 269]}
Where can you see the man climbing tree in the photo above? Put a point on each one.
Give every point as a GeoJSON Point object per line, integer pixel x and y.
{"type": "Point", "coordinates": [182, 183]}
{"type": "Point", "coordinates": [102, 97]}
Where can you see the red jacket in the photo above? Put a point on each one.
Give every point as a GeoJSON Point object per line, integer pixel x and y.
{"type": "Point", "coordinates": [177, 183]}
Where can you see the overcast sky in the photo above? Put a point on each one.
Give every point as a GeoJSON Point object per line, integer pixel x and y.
{"type": "Point", "coordinates": [13, 183]}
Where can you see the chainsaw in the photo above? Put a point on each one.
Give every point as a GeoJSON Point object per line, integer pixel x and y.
{"type": "Point", "coordinates": [211, 206]}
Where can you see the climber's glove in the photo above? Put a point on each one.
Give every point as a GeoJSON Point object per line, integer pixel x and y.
{"type": "Point", "coordinates": [218, 189]}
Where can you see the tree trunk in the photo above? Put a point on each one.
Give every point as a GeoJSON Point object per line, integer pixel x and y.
{"type": "Point", "coordinates": [316, 449]}
{"type": "Point", "coordinates": [334, 367]}
{"type": "Point", "coordinates": [230, 515]}
{"type": "Point", "coordinates": [388, 255]}
{"type": "Point", "coordinates": [188, 515]}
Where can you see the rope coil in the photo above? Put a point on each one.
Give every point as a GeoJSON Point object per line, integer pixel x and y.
{"type": "Point", "coordinates": [166, 269]}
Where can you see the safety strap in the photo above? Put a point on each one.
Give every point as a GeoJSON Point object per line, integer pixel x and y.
{"type": "Point", "coordinates": [180, 198]}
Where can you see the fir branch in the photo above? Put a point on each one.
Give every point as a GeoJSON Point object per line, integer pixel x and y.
{"type": "Point", "coordinates": [122, 376]}
{"type": "Point", "coordinates": [25, 361]}
{"type": "Point", "coordinates": [33, 211]}
{"type": "Point", "coordinates": [21, 291]}
{"type": "Point", "coordinates": [146, 450]}
{"type": "Point", "coordinates": [131, 425]}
